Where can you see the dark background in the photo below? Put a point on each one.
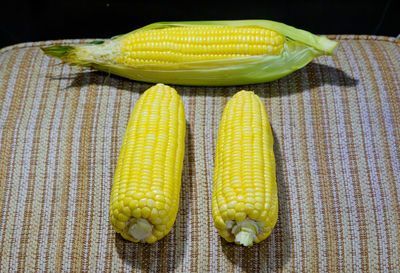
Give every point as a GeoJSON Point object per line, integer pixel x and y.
{"type": "Point", "coordinates": [25, 20]}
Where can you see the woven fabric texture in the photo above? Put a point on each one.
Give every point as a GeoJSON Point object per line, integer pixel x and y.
{"type": "Point", "coordinates": [336, 125]}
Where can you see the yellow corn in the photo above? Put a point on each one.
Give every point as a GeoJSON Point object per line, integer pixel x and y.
{"type": "Point", "coordinates": [145, 194]}
{"type": "Point", "coordinates": [189, 44]}
{"type": "Point", "coordinates": [245, 200]}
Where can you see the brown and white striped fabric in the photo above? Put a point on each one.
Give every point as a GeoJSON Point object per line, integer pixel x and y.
{"type": "Point", "coordinates": [336, 125]}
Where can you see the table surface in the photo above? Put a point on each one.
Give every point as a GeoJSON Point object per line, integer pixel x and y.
{"type": "Point", "coordinates": [336, 126]}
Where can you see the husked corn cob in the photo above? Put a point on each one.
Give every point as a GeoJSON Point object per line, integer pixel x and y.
{"type": "Point", "coordinates": [202, 53]}
{"type": "Point", "coordinates": [244, 200]}
{"type": "Point", "coordinates": [145, 195]}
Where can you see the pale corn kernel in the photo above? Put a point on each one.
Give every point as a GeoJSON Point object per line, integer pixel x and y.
{"type": "Point", "coordinates": [158, 193]}
{"type": "Point", "coordinates": [240, 197]}
{"type": "Point", "coordinates": [259, 206]}
{"type": "Point", "coordinates": [133, 204]}
{"type": "Point", "coordinates": [130, 192]}
{"type": "Point", "coordinates": [156, 220]}
{"type": "Point", "coordinates": [159, 205]}
{"type": "Point", "coordinates": [154, 213]}
{"type": "Point", "coordinates": [126, 201]}
{"type": "Point", "coordinates": [120, 205]}
{"type": "Point", "coordinates": [143, 203]}
{"type": "Point", "coordinates": [249, 207]}
{"type": "Point", "coordinates": [240, 216]}
{"type": "Point", "coordinates": [150, 195]}
{"type": "Point", "coordinates": [122, 217]}
{"type": "Point", "coordinates": [240, 206]}
{"type": "Point", "coordinates": [161, 227]}
{"type": "Point", "coordinates": [127, 211]}
{"type": "Point", "coordinates": [223, 207]}
{"type": "Point", "coordinates": [146, 212]}
{"type": "Point", "coordinates": [254, 214]}
{"type": "Point", "coordinates": [137, 213]}
{"type": "Point", "coordinates": [120, 224]}
{"type": "Point", "coordinates": [231, 213]}
{"type": "Point", "coordinates": [150, 203]}
{"type": "Point", "coordinates": [267, 229]}
{"type": "Point", "coordinates": [219, 223]}
{"type": "Point", "coordinates": [138, 195]}
{"type": "Point", "coordinates": [162, 213]}
{"type": "Point", "coordinates": [167, 220]}
{"type": "Point", "coordinates": [232, 204]}
{"type": "Point", "coordinates": [151, 239]}
{"type": "Point", "coordinates": [250, 200]}
{"type": "Point", "coordinates": [264, 214]}
{"type": "Point", "coordinates": [158, 233]}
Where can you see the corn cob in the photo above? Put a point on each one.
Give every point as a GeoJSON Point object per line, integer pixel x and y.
{"type": "Point", "coordinates": [244, 200]}
{"type": "Point", "coordinates": [145, 195]}
{"type": "Point", "coordinates": [202, 53]}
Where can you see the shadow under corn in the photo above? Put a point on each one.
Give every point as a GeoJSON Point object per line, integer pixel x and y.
{"type": "Point", "coordinates": [167, 254]}
{"type": "Point", "coordinates": [273, 253]}
{"type": "Point", "coordinates": [316, 73]}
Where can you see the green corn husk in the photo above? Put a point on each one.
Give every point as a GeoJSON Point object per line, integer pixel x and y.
{"type": "Point", "coordinates": [300, 48]}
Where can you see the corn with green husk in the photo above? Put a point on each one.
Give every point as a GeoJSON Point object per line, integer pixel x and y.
{"type": "Point", "coordinates": [202, 52]}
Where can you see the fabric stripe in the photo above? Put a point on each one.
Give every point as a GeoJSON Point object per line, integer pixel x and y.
{"type": "Point", "coordinates": [107, 178]}
{"type": "Point", "coordinates": [36, 190]}
{"type": "Point", "coordinates": [371, 165]}
{"type": "Point", "coordinates": [210, 135]}
{"type": "Point", "coordinates": [333, 189]}
{"type": "Point", "coordinates": [291, 176]}
{"type": "Point", "coordinates": [53, 255]}
{"type": "Point", "coordinates": [8, 152]}
{"type": "Point", "coordinates": [186, 194]}
{"type": "Point", "coordinates": [313, 171]}
{"type": "Point", "coordinates": [50, 177]}
{"type": "Point", "coordinates": [348, 179]}
{"type": "Point", "coordinates": [5, 97]}
{"type": "Point", "coordinates": [92, 220]}
{"type": "Point", "coordinates": [377, 176]}
{"type": "Point", "coordinates": [19, 164]}
{"type": "Point", "coordinates": [73, 185]}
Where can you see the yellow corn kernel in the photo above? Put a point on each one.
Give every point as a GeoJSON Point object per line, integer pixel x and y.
{"type": "Point", "coordinates": [245, 191]}
{"type": "Point", "coordinates": [151, 154]}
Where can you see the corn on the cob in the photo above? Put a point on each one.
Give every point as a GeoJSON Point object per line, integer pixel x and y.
{"type": "Point", "coordinates": [244, 200]}
{"type": "Point", "coordinates": [202, 53]}
{"type": "Point", "coordinates": [145, 195]}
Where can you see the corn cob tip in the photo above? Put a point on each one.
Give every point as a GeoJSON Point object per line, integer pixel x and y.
{"type": "Point", "coordinates": [244, 238]}
{"type": "Point", "coordinates": [245, 231]}
{"type": "Point", "coordinates": [140, 229]}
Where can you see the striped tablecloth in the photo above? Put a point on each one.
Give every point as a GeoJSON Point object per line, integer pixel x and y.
{"type": "Point", "coordinates": [336, 125]}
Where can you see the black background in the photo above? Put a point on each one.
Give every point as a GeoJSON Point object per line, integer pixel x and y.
{"type": "Point", "coordinates": [23, 21]}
